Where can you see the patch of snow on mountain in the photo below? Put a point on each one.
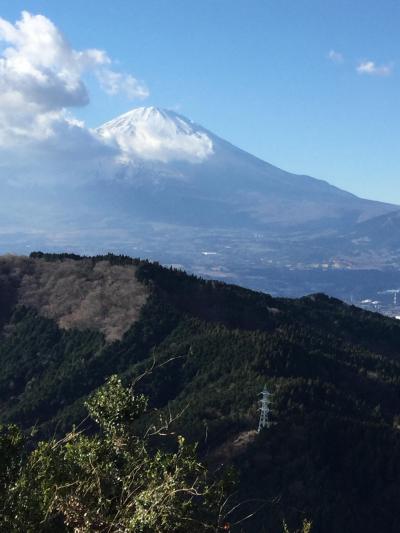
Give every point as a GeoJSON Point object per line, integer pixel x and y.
{"type": "Point", "coordinates": [153, 134]}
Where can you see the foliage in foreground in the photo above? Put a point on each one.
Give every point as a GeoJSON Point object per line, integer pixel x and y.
{"type": "Point", "coordinates": [110, 481]}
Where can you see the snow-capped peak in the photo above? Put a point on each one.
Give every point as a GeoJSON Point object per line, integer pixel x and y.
{"type": "Point", "coordinates": [152, 133]}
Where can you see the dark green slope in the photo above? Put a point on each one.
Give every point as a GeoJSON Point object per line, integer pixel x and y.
{"type": "Point", "coordinates": [333, 451]}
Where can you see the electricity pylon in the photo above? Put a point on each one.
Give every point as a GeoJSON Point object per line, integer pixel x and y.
{"type": "Point", "coordinates": [265, 409]}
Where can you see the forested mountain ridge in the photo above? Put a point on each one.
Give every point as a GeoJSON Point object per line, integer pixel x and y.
{"type": "Point", "coordinates": [206, 350]}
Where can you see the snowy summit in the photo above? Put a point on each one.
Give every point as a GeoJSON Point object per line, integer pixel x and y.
{"type": "Point", "coordinates": [155, 134]}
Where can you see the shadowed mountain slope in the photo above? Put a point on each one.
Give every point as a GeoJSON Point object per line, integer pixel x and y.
{"type": "Point", "coordinates": [178, 162]}
{"type": "Point", "coordinates": [206, 350]}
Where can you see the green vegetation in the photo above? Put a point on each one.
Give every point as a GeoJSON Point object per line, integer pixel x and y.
{"type": "Point", "coordinates": [107, 482]}
{"type": "Point", "coordinates": [204, 350]}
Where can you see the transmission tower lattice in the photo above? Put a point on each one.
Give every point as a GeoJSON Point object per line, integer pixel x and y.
{"type": "Point", "coordinates": [265, 409]}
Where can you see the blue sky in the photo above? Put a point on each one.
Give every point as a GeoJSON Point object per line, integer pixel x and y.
{"type": "Point", "coordinates": [258, 73]}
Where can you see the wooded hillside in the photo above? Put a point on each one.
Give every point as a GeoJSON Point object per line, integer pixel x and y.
{"type": "Point", "coordinates": [205, 350]}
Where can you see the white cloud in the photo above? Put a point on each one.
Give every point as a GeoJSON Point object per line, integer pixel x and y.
{"type": "Point", "coordinates": [371, 69]}
{"type": "Point", "coordinates": [71, 154]}
{"type": "Point", "coordinates": [336, 57]}
{"type": "Point", "coordinates": [39, 66]}
{"type": "Point", "coordinates": [116, 82]}
{"type": "Point", "coordinates": [41, 77]}
{"type": "Point", "coordinates": [42, 80]}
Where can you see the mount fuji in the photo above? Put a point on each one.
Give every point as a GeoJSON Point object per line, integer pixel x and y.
{"type": "Point", "coordinates": [196, 177]}
{"type": "Point", "coordinates": [175, 192]}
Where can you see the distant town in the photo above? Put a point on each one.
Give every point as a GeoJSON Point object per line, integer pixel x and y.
{"type": "Point", "coordinates": [387, 303]}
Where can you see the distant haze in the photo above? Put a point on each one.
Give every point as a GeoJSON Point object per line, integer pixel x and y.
{"type": "Point", "coordinates": [168, 189]}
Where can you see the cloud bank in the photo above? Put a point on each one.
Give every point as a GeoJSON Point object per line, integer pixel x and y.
{"type": "Point", "coordinates": [41, 81]}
